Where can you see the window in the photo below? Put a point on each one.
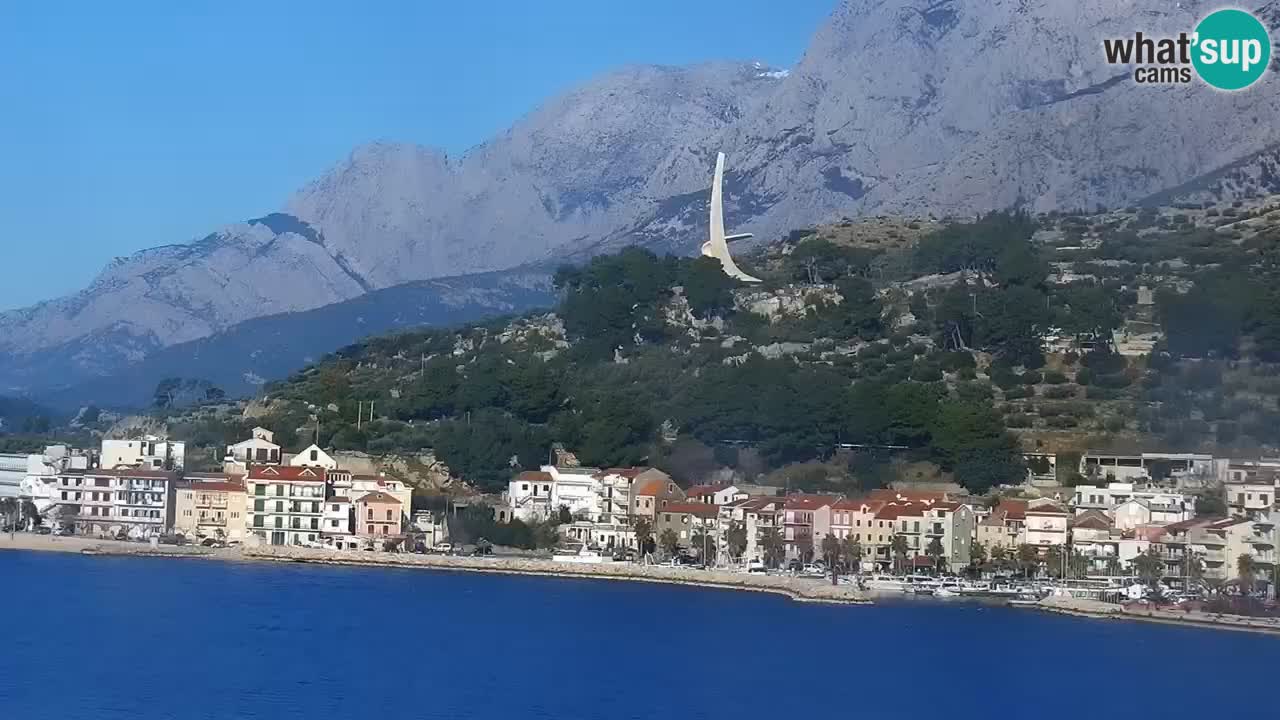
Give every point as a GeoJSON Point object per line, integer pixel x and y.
{"type": "Point", "coordinates": [524, 487]}
{"type": "Point", "coordinates": [314, 455]}
{"type": "Point", "coordinates": [333, 523]}
{"type": "Point", "coordinates": [259, 505]}
{"type": "Point", "coordinates": [370, 513]}
{"type": "Point", "coordinates": [279, 506]}
{"type": "Point", "coordinates": [334, 507]}
{"type": "Point", "coordinates": [389, 516]}
{"type": "Point", "coordinates": [370, 530]}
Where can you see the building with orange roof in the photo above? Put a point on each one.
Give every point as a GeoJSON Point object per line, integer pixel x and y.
{"type": "Point", "coordinates": [286, 504]}
{"type": "Point", "coordinates": [848, 518]}
{"type": "Point", "coordinates": [1047, 523]}
{"type": "Point", "coordinates": [798, 517]}
{"type": "Point", "coordinates": [653, 490]}
{"type": "Point", "coordinates": [689, 520]}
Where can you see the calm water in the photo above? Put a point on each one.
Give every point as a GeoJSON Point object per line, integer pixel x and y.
{"type": "Point", "coordinates": [144, 638]}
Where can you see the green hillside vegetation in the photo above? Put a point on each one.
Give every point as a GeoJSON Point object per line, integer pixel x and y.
{"type": "Point", "coordinates": [931, 338]}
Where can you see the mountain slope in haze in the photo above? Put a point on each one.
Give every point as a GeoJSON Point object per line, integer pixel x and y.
{"type": "Point", "coordinates": [905, 106]}
{"type": "Point", "coordinates": [240, 359]}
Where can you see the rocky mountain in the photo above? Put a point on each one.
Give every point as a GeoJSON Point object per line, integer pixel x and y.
{"type": "Point", "coordinates": [906, 106]}
{"type": "Point", "coordinates": [241, 359]}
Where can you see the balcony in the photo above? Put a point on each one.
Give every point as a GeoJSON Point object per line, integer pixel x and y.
{"type": "Point", "coordinates": [218, 522]}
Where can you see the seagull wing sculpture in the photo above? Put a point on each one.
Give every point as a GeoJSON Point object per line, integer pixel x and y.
{"type": "Point", "coordinates": [718, 245]}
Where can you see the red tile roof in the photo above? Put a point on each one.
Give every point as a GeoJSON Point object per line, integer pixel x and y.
{"type": "Point", "coordinates": [895, 510]}
{"type": "Point", "coordinates": [653, 487]}
{"type": "Point", "coordinates": [705, 510]}
{"type": "Point", "coordinates": [286, 473]}
{"type": "Point", "coordinates": [377, 496]}
{"type": "Point", "coordinates": [808, 502]}
{"type": "Point", "coordinates": [1093, 520]}
{"type": "Point", "coordinates": [1013, 509]}
{"type": "Point", "coordinates": [1051, 508]}
{"type": "Point", "coordinates": [534, 476]}
{"type": "Point", "coordinates": [216, 486]}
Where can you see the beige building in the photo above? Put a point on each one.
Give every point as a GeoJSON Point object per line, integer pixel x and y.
{"type": "Point", "coordinates": [652, 490]}
{"type": "Point", "coordinates": [1047, 523]}
{"type": "Point", "coordinates": [211, 506]}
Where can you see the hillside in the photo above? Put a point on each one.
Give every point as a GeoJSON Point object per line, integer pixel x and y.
{"type": "Point", "coordinates": [961, 344]}
{"type": "Point", "coordinates": [625, 159]}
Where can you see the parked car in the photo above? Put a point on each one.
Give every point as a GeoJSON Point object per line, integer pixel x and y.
{"type": "Point", "coordinates": [757, 567]}
{"type": "Point", "coordinates": [42, 530]}
{"type": "Point", "coordinates": [212, 543]}
{"type": "Point", "coordinates": [444, 548]}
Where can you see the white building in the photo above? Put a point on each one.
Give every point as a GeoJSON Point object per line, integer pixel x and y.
{"type": "Point", "coordinates": [529, 496]}
{"type": "Point", "coordinates": [343, 483]}
{"type": "Point", "coordinates": [259, 449]}
{"type": "Point", "coordinates": [335, 523]}
{"type": "Point", "coordinates": [149, 453]}
{"type": "Point", "coordinates": [575, 489]}
{"type": "Point", "coordinates": [286, 504]}
{"type": "Point", "coordinates": [40, 483]}
{"type": "Point", "coordinates": [136, 503]}
{"type": "Point", "coordinates": [1154, 505]}
{"type": "Point", "coordinates": [1129, 467]}
{"type": "Point", "coordinates": [313, 456]}
{"type": "Point", "coordinates": [1046, 523]}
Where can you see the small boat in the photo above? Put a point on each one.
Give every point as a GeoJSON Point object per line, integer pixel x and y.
{"type": "Point", "coordinates": [1021, 602]}
{"type": "Point", "coordinates": [946, 592]}
{"type": "Point", "coordinates": [582, 556]}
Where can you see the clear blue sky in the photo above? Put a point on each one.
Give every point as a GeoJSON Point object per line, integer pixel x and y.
{"type": "Point", "coordinates": [129, 125]}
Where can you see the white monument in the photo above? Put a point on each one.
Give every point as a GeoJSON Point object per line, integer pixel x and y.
{"type": "Point", "coordinates": [718, 246]}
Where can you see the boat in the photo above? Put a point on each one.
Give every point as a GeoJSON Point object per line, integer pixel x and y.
{"type": "Point", "coordinates": [888, 583]}
{"type": "Point", "coordinates": [583, 556]}
{"type": "Point", "coordinates": [946, 592]}
{"type": "Point", "coordinates": [1023, 602]}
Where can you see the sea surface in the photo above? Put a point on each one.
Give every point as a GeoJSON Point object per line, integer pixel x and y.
{"type": "Point", "coordinates": [142, 639]}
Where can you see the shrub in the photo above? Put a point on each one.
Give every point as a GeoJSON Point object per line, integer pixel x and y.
{"type": "Point", "coordinates": [1061, 423]}
{"type": "Point", "coordinates": [1017, 393]}
{"type": "Point", "coordinates": [1060, 392]}
{"type": "Point", "coordinates": [1030, 377]}
{"type": "Point", "coordinates": [1053, 377]}
{"type": "Point", "coordinates": [1100, 393]}
{"type": "Point", "coordinates": [926, 372]}
{"type": "Point", "coordinates": [1019, 421]}
{"type": "Point", "coordinates": [1117, 381]}
{"type": "Point", "coordinates": [1084, 376]}
{"type": "Point", "coordinates": [1113, 424]}
{"type": "Point", "coordinates": [956, 360]}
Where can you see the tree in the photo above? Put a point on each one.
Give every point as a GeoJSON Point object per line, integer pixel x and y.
{"type": "Point", "coordinates": [1149, 566]}
{"type": "Point", "coordinates": [804, 548]}
{"type": "Point", "coordinates": [831, 550]}
{"type": "Point", "coordinates": [978, 555]}
{"type": "Point", "coordinates": [705, 544]}
{"type": "Point", "coordinates": [1028, 559]}
{"type": "Point", "coordinates": [1113, 566]}
{"type": "Point", "coordinates": [772, 545]}
{"type": "Point", "coordinates": [999, 558]}
{"type": "Point", "coordinates": [644, 537]}
{"type": "Point", "coordinates": [669, 541]}
{"type": "Point", "coordinates": [736, 538]}
{"type": "Point", "coordinates": [1246, 570]}
{"type": "Point", "coordinates": [852, 552]}
{"type": "Point", "coordinates": [935, 551]}
{"type": "Point", "coordinates": [898, 547]}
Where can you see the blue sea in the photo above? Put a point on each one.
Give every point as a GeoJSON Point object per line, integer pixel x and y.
{"type": "Point", "coordinates": [151, 639]}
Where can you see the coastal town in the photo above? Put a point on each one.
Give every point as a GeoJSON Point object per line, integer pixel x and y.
{"type": "Point", "coordinates": [1185, 522]}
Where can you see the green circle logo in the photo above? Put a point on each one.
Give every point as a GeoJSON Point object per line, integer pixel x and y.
{"type": "Point", "coordinates": [1232, 49]}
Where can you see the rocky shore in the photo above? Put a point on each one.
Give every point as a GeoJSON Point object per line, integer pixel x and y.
{"type": "Point", "coordinates": [1096, 609]}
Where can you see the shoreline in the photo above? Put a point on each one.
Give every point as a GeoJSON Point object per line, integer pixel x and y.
{"type": "Point", "coordinates": [1097, 610]}
{"type": "Point", "coordinates": [797, 589]}
{"type": "Point", "coordinates": [805, 590]}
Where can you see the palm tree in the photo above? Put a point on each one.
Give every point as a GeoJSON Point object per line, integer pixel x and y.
{"type": "Point", "coordinates": [999, 558]}
{"type": "Point", "coordinates": [1150, 567]}
{"type": "Point", "coordinates": [935, 551]}
{"type": "Point", "coordinates": [771, 544]}
{"type": "Point", "coordinates": [644, 537]}
{"type": "Point", "coordinates": [1113, 566]}
{"type": "Point", "coordinates": [831, 548]}
{"type": "Point", "coordinates": [670, 542]}
{"type": "Point", "coordinates": [899, 549]}
{"type": "Point", "coordinates": [978, 555]}
{"type": "Point", "coordinates": [852, 551]}
{"type": "Point", "coordinates": [736, 539]}
{"type": "Point", "coordinates": [1246, 568]}
{"type": "Point", "coordinates": [704, 542]}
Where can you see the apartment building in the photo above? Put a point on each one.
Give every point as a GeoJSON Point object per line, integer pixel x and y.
{"type": "Point", "coordinates": [1218, 543]}
{"type": "Point", "coordinates": [286, 504]}
{"type": "Point", "coordinates": [688, 520]}
{"type": "Point", "coordinates": [133, 502]}
{"type": "Point", "coordinates": [529, 496]}
{"type": "Point", "coordinates": [1005, 526]}
{"type": "Point", "coordinates": [210, 505]}
{"type": "Point", "coordinates": [1154, 504]}
{"type": "Point", "coordinates": [335, 524]}
{"type": "Point", "coordinates": [652, 491]}
{"type": "Point", "coordinates": [258, 449]}
{"type": "Point", "coordinates": [798, 517]}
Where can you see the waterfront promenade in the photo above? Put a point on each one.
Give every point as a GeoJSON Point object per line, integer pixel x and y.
{"type": "Point", "coordinates": [803, 589]}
